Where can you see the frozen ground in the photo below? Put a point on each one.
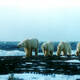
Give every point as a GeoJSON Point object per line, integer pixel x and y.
{"type": "Point", "coordinates": [10, 49]}
{"type": "Point", "coordinates": [33, 76]}
{"type": "Point", "coordinates": [21, 53]}
{"type": "Point", "coordinates": [76, 61]}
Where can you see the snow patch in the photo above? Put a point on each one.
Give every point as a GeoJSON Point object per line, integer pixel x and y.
{"type": "Point", "coordinates": [34, 76]}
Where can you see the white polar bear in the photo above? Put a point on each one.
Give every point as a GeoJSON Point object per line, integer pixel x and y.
{"type": "Point", "coordinates": [78, 49]}
{"type": "Point", "coordinates": [47, 48]}
{"type": "Point", "coordinates": [29, 45]}
{"type": "Point", "coordinates": [65, 47]}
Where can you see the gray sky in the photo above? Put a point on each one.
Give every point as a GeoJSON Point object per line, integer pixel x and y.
{"type": "Point", "coordinates": [53, 20]}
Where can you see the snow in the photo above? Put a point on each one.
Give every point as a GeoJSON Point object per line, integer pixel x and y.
{"type": "Point", "coordinates": [34, 76]}
{"type": "Point", "coordinates": [22, 53]}
{"type": "Point", "coordinates": [76, 61]}
{"type": "Point", "coordinates": [11, 53]}
{"type": "Point", "coordinates": [16, 53]}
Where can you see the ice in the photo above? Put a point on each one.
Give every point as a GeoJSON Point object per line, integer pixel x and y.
{"type": "Point", "coordinates": [4, 77]}
{"type": "Point", "coordinates": [22, 53]}
{"type": "Point", "coordinates": [76, 61]}
{"type": "Point", "coordinates": [34, 76]}
{"type": "Point", "coordinates": [14, 53]}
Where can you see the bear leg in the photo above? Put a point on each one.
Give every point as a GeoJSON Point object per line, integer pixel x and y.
{"type": "Point", "coordinates": [36, 51]}
{"type": "Point", "coordinates": [45, 53]}
{"type": "Point", "coordinates": [58, 53]}
{"type": "Point", "coordinates": [64, 52]}
{"type": "Point", "coordinates": [51, 53]}
{"type": "Point", "coordinates": [77, 53]}
{"type": "Point", "coordinates": [30, 50]}
{"type": "Point", "coordinates": [27, 52]}
{"type": "Point", "coordinates": [69, 53]}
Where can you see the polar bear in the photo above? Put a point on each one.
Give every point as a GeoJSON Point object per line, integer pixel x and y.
{"type": "Point", "coordinates": [47, 48]}
{"type": "Point", "coordinates": [78, 49]}
{"type": "Point", "coordinates": [29, 45]}
{"type": "Point", "coordinates": [65, 47]}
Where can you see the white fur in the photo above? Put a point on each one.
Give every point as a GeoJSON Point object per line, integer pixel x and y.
{"type": "Point", "coordinates": [78, 49]}
{"type": "Point", "coordinates": [47, 48]}
{"type": "Point", "coordinates": [65, 47]}
{"type": "Point", "coordinates": [29, 45]}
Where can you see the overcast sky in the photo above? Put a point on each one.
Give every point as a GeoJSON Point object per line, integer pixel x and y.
{"type": "Point", "coordinates": [53, 20]}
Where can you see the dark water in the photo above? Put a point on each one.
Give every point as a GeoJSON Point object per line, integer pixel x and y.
{"type": "Point", "coordinates": [40, 64]}
{"type": "Point", "coordinates": [13, 45]}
